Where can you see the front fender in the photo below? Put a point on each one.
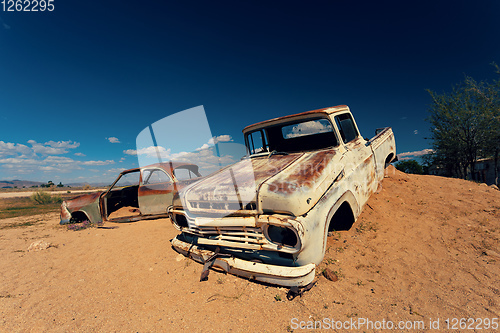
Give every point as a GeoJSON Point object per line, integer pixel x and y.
{"type": "Point", "coordinates": [87, 204]}
{"type": "Point", "coordinates": [316, 223]}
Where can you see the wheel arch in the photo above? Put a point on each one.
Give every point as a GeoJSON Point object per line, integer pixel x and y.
{"type": "Point", "coordinates": [79, 216]}
{"type": "Point", "coordinates": [346, 202]}
{"type": "Point", "coordinates": [389, 159]}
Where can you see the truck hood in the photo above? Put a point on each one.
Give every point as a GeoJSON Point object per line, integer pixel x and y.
{"type": "Point", "coordinates": [289, 184]}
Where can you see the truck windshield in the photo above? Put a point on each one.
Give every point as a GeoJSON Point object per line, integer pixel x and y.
{"type": "Point", "coordinates": [303, 135]}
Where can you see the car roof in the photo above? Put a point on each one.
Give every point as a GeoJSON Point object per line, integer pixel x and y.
{"type": "Point", "coordinates": [166, 166]}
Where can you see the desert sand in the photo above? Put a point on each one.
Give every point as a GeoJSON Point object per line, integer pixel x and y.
{"type": "Point", "coordinates": [424, 248]}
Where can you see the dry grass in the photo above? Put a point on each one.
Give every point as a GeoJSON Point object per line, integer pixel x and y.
{"type": "Point", "coordinates": [14, 207]}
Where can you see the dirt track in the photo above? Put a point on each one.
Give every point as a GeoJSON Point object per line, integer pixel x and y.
{"type": "Point", "coordinates": [29, 193]}
{"type": "Point", "coordinates": [424, 248]}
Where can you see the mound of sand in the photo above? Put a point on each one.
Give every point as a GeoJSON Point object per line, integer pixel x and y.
{"type": "Point", "coordinates": [424, 248]}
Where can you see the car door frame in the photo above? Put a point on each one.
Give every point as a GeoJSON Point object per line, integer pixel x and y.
{"type": "Point", "coordinates": [156, 198]}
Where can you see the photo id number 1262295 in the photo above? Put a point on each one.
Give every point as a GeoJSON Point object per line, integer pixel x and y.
{"type": "Point", "coordinates": [27, 5]}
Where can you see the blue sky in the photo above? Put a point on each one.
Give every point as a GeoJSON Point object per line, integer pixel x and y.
{"type": "Point", "coordinates": [78, 84]}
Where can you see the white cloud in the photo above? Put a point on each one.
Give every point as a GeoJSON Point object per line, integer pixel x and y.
{"type": "Point", "coordinates": [205, 146]}
{"type": "Point", "coordinates": [415, 153]}
{"type": "Point", "coordinates": [151, 151]}
{"type": "Point", "coordinates": [203, 156]}
{"type": "Point", "coordinates": [215, 140]}
{"type": "Point", "coordinates": [52, 147]}
{"type": "Point", "coordinates": [50, 163]}
{"type": "Point", "coordinates": [113, 139]}
{"type": "Point", "coordinates": [62, 144]}
{"type": "Point", "coordinates": [220, 138]}
{"type": "Point", "coordinates": [98, 162]}
{"type": "Point", "coordinates": [13, 161]}
{"type": "Point", "coordinates": [50, 168]}
{"type": "Point", "coordinates": [116, 170]}
{"type": "Point", "coordinates": [16, 170]}
{"type": "Point", "coordinates": [42, 157]}
{"type": "Point", "coordinates": [206, 160]}
{"type": "Point", "coordinates": [132, 152]}
{"type": "Point", "coordinates": [59, 159]}
{"type": "Point", "coordinates": [9, 149]}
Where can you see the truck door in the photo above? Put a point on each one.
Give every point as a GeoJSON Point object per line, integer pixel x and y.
{"type": "Point", "coordinates": [359, 159]}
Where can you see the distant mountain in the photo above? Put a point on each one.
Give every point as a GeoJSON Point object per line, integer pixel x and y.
{"type": "Point", "coordinates": [18, 183]}
{"type": "Point", "coordinates": [28, 183]}
{"type": "Point", "coordinates": [91, 184]}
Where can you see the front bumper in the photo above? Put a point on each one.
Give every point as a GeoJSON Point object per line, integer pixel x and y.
{"type": "Point", "coordinates": [273, 274]}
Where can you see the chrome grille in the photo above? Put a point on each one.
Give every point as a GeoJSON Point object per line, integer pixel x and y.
{"type": "Point", "coordinates": [246, 235]}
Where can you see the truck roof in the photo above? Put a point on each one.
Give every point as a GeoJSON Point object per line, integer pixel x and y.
{"type": "Point", "coordinates": [328, 110]}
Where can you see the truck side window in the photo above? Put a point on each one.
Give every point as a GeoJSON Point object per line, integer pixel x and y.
{"type": "Point", "coordinates": [257, 142]}
{"type": "Point", "coordinates": [346, 126]}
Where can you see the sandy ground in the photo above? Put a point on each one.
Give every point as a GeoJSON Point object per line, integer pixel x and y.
{"type": "Point", "coordinates": [29, 193]}
{"type": "Point", "coordinates": [425, 248]}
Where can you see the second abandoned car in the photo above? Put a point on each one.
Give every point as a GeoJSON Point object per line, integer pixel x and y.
{"type": "Point", "coordinates": [137, 194]}
{"type": "Point", "coordinates": [267, 217]}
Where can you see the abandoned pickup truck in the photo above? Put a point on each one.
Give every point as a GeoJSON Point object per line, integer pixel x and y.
{"type": "Point", "coordinates": [137, 194]}
{"type": "Point", "coordinates": [267, 216]}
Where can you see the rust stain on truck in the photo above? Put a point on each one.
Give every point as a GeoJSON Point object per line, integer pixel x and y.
{"type": "Point", "coordinates": [267, 216]}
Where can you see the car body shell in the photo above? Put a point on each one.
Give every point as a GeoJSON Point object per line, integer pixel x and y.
{"type": "Point", "coordinates": [147, 200]}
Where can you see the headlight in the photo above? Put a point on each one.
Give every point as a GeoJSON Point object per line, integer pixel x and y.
{"type": "Point", "coordinates": [282, 235]}
{"type": "Point", "coordinates": [179, 220]}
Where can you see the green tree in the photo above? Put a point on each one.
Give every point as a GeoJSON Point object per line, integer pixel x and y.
{"type": "Point", "coordinates": [462, 125]}
{"type": "Point", "coordinates": [488, 100]}
{"type": "Point", "coordinates": [410, 166]}
{"type": "Point", "coordinates": [493, 139]}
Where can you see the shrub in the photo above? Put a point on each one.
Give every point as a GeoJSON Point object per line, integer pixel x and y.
{"type": "Point", "coordinates": [410, 166]}
{"type": "Point", "coordinates": [43, 198]}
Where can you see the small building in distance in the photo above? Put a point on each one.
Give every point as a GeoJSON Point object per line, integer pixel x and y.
{"type": "Point", "coordinates": [485, 170]}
